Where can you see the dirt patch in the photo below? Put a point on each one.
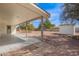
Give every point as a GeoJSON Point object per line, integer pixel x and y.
{"type": "Point", "coordinates": [51, 45]}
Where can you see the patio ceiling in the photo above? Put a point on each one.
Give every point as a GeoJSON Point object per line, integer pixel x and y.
{"type": "Point", "coordinates": [13, 13]}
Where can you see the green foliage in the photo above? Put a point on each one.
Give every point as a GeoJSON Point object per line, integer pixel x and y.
{"type": "Point", "coordinates": [22, 26]}
{"type": "Point", "coordinates": [39, 27]}
{"type": "Point", "coordinates": [47, 25]}
{"type": "Point", "coordinates": [70, 14]}
{"type": "Point", "coordinates": [28, 27]}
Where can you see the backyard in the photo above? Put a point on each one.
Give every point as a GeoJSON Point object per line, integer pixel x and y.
{"type": "Point", "coordinates": [52, 45]}
{"type": "Point", "coordinates": [28, 30]}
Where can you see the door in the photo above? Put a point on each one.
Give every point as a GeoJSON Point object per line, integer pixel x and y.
{"type": "Point", "coordinates": [8, 29]}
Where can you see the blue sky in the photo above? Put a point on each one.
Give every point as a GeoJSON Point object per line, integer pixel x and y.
{"type": "Point", "coordinates": [54, 9]}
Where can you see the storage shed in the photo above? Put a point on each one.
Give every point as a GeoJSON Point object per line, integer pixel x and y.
{"type": "Point", "coordinates": [69, 29]}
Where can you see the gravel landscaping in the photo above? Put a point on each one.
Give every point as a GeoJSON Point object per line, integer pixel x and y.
{"type": "Point", "coordinates": [51, 45]}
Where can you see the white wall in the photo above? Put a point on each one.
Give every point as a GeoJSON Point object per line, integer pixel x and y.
{"type": "Point", "coordinates": [13, 29]}
{"type": "Point", "coordinates": [3, 26]}
{"type": "Point", "coordinates": [76, 30]}
{"type": "Point", "coordinates": [66, 29]}
{"type": "Point", "coordinates": [3, 29]}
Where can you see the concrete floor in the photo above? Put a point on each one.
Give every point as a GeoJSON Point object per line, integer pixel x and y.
{"type": "Point", "coordinates": [11, 42]}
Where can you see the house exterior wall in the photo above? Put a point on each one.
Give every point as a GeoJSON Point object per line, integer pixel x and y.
{"type": "Point", "coordinates": [13, 29]}
{"type": "Point", "coordinates": [3, 29]}
{"type": "Point", "coordinates": [66, 29]}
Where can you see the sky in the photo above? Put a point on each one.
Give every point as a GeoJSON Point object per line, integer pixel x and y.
{"type": "Point", "coordinates": [54, 9]}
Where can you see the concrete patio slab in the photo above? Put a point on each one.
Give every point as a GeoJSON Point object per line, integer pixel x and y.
{"type": "Point", "coordinates": [10, 43]}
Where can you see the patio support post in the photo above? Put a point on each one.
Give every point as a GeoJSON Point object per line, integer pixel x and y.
{"type": "Point", "coordinates": [26, 30]}
{"type": "Point", "coordinates": [42, 33]}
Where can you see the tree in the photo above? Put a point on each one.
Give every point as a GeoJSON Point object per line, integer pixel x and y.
{"type": "Point", "coordinates": [70, 13]}
{"type": "Point", "coordinates": [22, 26]}
{"type": "Point", "coordinates": [47, 25]}
{"type": "Point", "coordinates": [28, 27]}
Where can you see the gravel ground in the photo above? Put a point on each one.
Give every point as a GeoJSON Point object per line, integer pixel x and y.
{"type": "Point", "coordinates": [51, 45]}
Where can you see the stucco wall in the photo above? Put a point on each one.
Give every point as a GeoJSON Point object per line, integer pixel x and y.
{"type": "Point", "coordinates": [3, 29]}
{"type": "Point", "coordinates": [66, 29]}
{"type": "Point", "coordinates": [13, 29]}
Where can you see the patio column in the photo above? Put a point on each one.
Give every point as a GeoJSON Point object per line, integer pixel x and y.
{"type": "Point", "coordinates": [42, 27]}
{"type": "Point", "coordinates": [26, 30]}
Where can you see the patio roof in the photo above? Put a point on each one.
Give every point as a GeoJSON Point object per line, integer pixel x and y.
{"type": "Point", "coordinates": [15, 13]}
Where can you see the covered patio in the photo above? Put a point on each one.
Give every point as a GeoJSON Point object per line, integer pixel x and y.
{"type": "Point", "coordinates": [12, 14]}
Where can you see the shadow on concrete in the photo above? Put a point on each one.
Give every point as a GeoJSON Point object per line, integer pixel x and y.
{"type": "Point", "coordinates": [9, 39]}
